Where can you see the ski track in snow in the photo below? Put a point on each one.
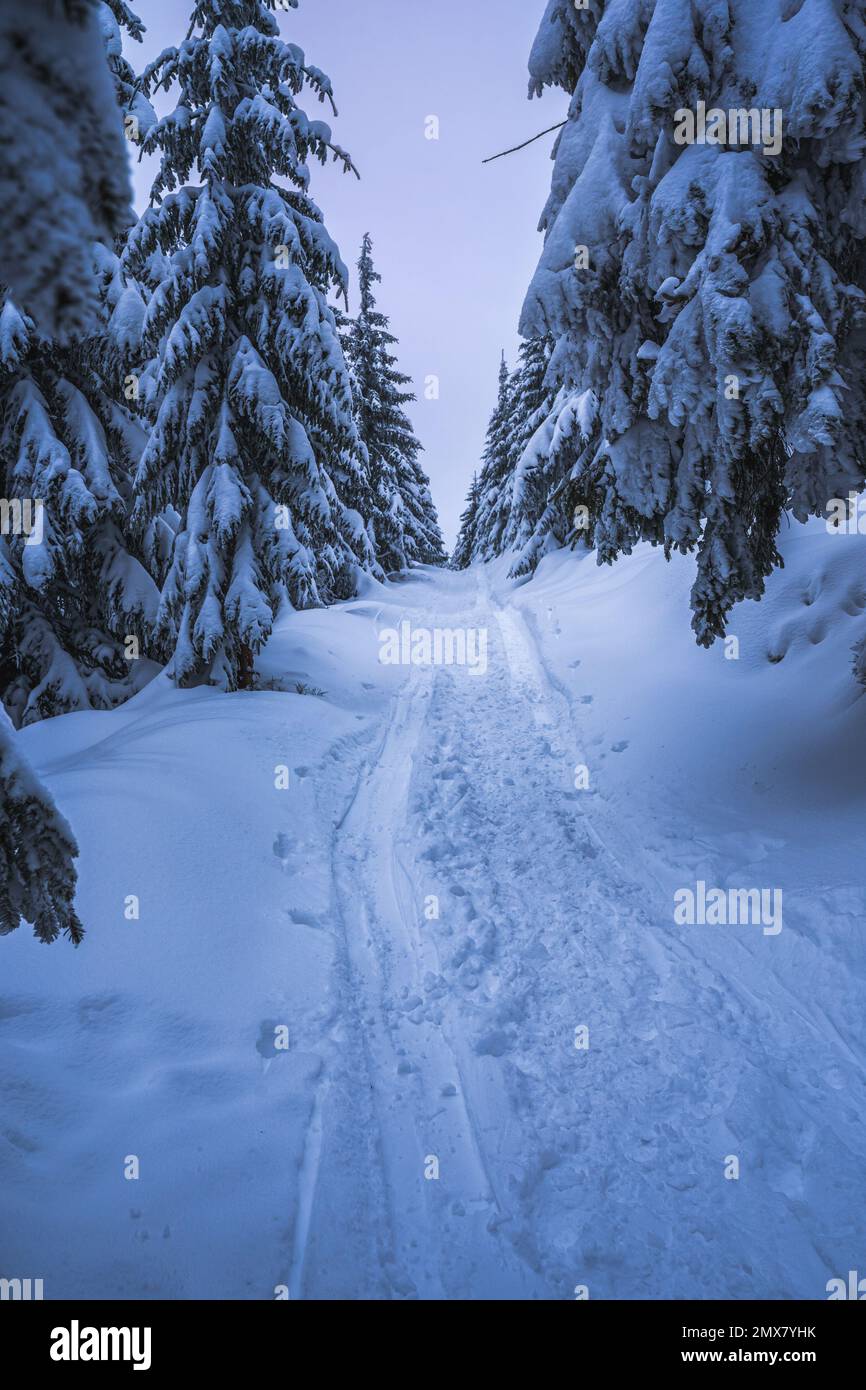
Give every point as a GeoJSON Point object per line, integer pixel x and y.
{"type": "Point", "coordinates": [432, 1096]}
{"type": "Point", "coordinates": [418, 1103]}
{"type": "Point", "coordinates": [455, 1040]}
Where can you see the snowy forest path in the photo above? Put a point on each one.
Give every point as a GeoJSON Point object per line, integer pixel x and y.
{"type": "Point", "coordinates": [431, 1172]}
{"type": "Point", "coordinates": [422, 1113]}
{"type": "Point", "coordinates": [456, 869]}
{"type": "Point", "coordinates": [467, 1136]}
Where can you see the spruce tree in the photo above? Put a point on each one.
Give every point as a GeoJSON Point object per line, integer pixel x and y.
{"type": "Point", "coordinates": [358, 490]}
{"type": "Point", "coordinates": [60, 128]}
{"type": "Point", "coordinates": [705, 291]}
{"type": "Point", "coordinates": [461, 557]}
{"type": "Point", "coordinates": [403, 524]}
{"type": "Point", "coordinates": [531, 483]}
{"type": "Point", "coordinates": [494, 484]}
{"type": "Point", "coordinates": [517, 504]}
{"type": "Point", "coordinates": [253, 440]}
{"type": "Point", "coordinates": [79, 596]}
{"type": "Point", "coordinates": [544, 512]}
{"type": "Point", "coordinates": [37, 849]}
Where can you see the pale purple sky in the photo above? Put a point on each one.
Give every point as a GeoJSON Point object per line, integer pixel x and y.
{"type": "Point", "coordinates": [455, 241]}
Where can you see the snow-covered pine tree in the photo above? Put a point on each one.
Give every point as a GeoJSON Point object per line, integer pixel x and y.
{"type": "Point", "coordinates": [247, 387]}
{"type": "Point", "coordinates": [64, 180]}
{"type": "Point", "coordinates": [58, 123]}
{"type": "Point", "coordinates": [546, 510]}
{"type": "Point", "coordinates": [461, 557]}
{"type": "Point", "coordinates": [494, 483]}
{"type": "Point", "coordinates": [357, 490]}
{"type": "Point", "coordinates": [705, 292]}
{"type": "Point", "coordinates": [80, 600]}
{"type": "Point", "coordinates": [37, 849]}
{"type": "Point", "coordinates": [517, 502]}
{"type": "Point", "coordinates": [531, 495]}
{"type": "Point", "coordinates": [403, 524]}
{"type": "Point", "coordinates": [362, 346]}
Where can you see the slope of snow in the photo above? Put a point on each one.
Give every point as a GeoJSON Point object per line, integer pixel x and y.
{"type": "Point", "coordinates": [421, 1043]}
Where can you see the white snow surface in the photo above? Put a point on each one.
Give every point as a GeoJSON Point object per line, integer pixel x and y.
{"type": "Point", "coordinates": [412, 1039]}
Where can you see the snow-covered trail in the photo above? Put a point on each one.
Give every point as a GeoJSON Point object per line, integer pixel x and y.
{"type": "Point", "coordinates": [440, 1225]}
{"type": "Point", "coordinates": [401, 1077]}
{"type": "Point", "coordinates": [534, 1080]}
{"type": "Point", "coordinates": [460, 1117]}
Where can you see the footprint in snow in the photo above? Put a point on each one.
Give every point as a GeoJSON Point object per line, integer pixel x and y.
{"type": "Point", "coordinates": [283, 848]}
{"type": "Point", "coordinates": [619, 747]}
{"type": "Point", "coordinates": [299, 918]}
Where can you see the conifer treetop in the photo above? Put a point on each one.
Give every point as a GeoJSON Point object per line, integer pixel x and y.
{"type": "Point", "coordinates": [253, 440]}
{"type": "Point", "coordinates": [403, 526]}
{"type": "Point", "coordinates": [707, 295]}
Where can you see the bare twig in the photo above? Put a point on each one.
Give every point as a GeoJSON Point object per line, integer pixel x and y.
{"type": "Point", "coordinates": [515, 148]}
